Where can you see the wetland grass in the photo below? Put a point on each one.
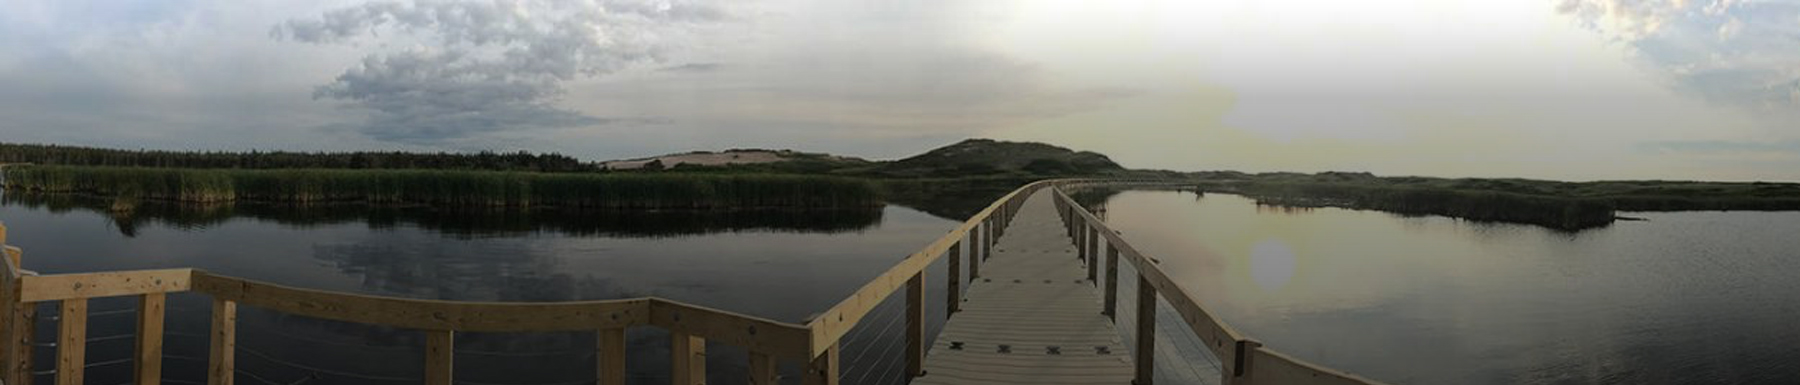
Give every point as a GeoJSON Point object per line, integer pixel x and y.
{"type": "Point", "coordinates": [448, 187]}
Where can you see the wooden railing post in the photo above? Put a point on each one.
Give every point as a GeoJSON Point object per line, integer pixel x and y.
{"type": "Point", "coordinates": [1093, 265]}
{"type": "Point", "coordinates": [953, 299]}
{"type": "Point", "coordinates": [71, 342]}
{"type": "Point", "coordinates": [1081, 241]}
{"type": "Point", "coordinates": [1237, 372]}
{"type": "Point", "coordinates": [763, 370]}
{"type": "Point", "coordinates": [1068, 220]}
{"type": "Point", "coordinates": [1112, 283]}
{"type": "Point", "coordinates": [687, 359]}
{"type": "Point", "coordinates": [1000, 216]}
{"type": "Point", "coordinates": [915, 326]}
{"type": "Point", "coordinates": [974, 244]}
{"type": "Point", "coordinates": [1093, 249]}
{"type": "Point", "coordinates": [25, 323]}
{"type": "Point", "coordinates": [1146, 333]}
{"type": "Point", "coordinates": [611, 365]}
{"type": "Point", "coordinates": [147, 361]}
{"type": "Point", "coordinates": [993, 238]}
{"type": "Point", "coordinates": [17, 321]}
{"type": "Point", "coordinates": [440, 357]}
{"type": "Point", "coordinates": [987, 239]}
{"type": "Point", "coordinates": [824, 369]}
{"type": "Point", "coordinates": [1073, 223]}
{"type": "Point", "coordinates": [222, 365]}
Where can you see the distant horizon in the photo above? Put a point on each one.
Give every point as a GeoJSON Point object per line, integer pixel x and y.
{"type": "Point", "coordinates": [1127, 166]}
{"type": "Point", "coordinates": [1551, 89]}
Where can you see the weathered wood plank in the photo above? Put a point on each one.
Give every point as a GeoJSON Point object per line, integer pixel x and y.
{"type": "Point", "coordinates": [974, 245]}
{"type": "Point", "coordinates": [1034, 301]}
{"type": "Point", "coordinates": [425, 314]}
{"type": "Point", "coordinates": [832, 324]}
{"type": "Point", "coordinates": [763, 370]}
{"type": "Point", "coordinates": [71, 342]}
{"type": "Point", "coordinates": [687, 359]}
{"type": "Point", "coordinates": [1081, 241]}
{"type": "Point", "coordinates": [755, 334]}
{"type": "Point", "coordinates": [222, 360]}
{"type": "Point", "coordinates": [915, 326]}
{"type": "Point", "coordinates": [953, 300]}
{"type": "Point", "coordinates": [1111, 306]}
{"type": "Point", "coordinates": [440, 357]}
{"type": "Point", "coordinates": [823, 370]}
{"type": "Point", "coordinates": [107, 284]}
{"type": "Point", "coordinates": [1146, 334]}
{"type": "Point", "coordinates": [1271, 367]}
{"type": "Point", "coordinates": [1093, 266]}
{"type": "Point", "coordinates": [611, 368]}
{"type": "Point", "coordinates": [24, 326]}
{"type": "Point", "coordinates": [12, 353]}
{"type": "Point", "coordinates": [147, 353]}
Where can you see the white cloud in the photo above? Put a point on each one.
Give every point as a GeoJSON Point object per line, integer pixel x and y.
{"type": "Point", "coordinates": [1628, 19]}
{"type": "Point", "coordinates": [1730, 29]}
{"type": "Point", "coordinates": [470, 68]}
{"type": "Point", "coordinates": [1742, 53]}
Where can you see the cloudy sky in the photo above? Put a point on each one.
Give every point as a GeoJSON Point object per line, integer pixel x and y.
{"type": "Point", "coordinates": [1564, 89]}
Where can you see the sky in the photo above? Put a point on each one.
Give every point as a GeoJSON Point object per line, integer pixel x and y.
{"type": "Point", "coordinates": [1556, 89]}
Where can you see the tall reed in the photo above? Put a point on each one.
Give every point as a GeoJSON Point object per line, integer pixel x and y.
{"type": "Point", "coordinates": [450, 187]}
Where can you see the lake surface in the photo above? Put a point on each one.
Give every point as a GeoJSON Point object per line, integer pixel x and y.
{"type": "Point", "coordinates": [1691, 297]}
{"type": "Point", "coordinates": [782, 265]}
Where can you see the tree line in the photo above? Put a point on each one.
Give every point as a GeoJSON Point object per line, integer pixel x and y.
{"type": "Point", "coordinates": [485, 160]}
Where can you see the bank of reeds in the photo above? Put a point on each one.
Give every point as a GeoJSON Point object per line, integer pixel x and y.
{"type": "Point", "coordinates": [1566, 213]}
{"type": "Point", "coordinates": [449, 187]}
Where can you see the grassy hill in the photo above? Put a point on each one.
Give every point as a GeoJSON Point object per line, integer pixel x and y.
{"type": "Point", "coordinates": [987, 157]}
{"type": "Point", "coordinates": [756, 160]}
{"type": "Point", "coordinates": [972, 158]}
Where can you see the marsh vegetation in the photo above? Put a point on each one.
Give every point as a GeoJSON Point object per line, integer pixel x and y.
{"type": "Point", "coordinates": [453, 188]}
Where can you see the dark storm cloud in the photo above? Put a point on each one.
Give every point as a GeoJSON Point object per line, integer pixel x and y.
{"type": "Point", "coordinates": [482, 67]}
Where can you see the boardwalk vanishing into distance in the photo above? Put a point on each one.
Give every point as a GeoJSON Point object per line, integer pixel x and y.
{"type": "Point", "coordinates": [1042, 305]}
{"type": "Point", "coordinates": [1032, 316]}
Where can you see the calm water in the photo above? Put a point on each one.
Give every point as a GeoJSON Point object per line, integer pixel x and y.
{"type": "Point", "coordinates": [1700, 297]}
{"type": "Point", "coordinates": [783, 265]}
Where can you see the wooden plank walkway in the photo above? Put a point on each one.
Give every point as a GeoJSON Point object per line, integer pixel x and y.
{"type": "Point", "coordinates": [1033, 296]}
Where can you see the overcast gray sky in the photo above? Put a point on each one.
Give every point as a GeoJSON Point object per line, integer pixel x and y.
{"type": "Point", "coordinates": [1566, 89]}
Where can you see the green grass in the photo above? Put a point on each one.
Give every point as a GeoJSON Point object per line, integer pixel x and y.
{"type": "Point", "coordinates": [1497, 206]}
{"type": "Point", "coordinates": [1562, 205]}
{"type": "Point", "coordinates": [449, 187]}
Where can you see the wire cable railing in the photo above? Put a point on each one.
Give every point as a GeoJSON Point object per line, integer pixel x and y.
{"type": "Point", "coordinates": [1171, 327]}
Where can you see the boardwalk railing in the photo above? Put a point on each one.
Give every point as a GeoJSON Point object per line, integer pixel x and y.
{"type": "Point", "coordinates": [816, 343]}
{"type": "Point", "coordinates": [1243, 360]}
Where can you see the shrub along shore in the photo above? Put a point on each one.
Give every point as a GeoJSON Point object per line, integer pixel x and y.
{"type": "Point", "coordinates": [1554, 204]}
{"type": "Point", "coordinates": [467, 188]}
{"type": "Point", "coordinates": [1561, 213]}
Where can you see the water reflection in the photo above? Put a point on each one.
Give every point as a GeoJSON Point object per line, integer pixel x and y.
{"type": "Point", "coordinates": [463, 222]}
{"type": "Point", "coordinates": [783, 265]}
{"type": "Point", "coordinates": [1271, 264]}
{"type": "Point", "coordinates": [1697, 297]}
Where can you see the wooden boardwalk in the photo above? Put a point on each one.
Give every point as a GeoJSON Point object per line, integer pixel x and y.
{"type": "Point", "coordinates": [1032, 317]}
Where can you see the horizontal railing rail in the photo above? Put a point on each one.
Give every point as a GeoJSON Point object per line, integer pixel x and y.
{"type": "Point", "coordinates": [977, 234]}
{"type": "Point", "coordinates": [690, 326]}
{"type": "Point", "coordinates": [1244, 360]}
